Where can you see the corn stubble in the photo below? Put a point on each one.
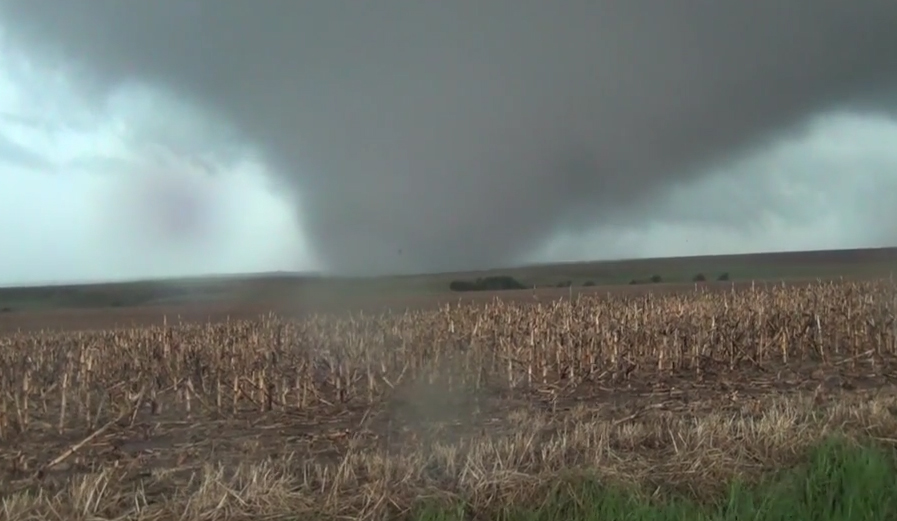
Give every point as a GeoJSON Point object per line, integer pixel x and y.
{"type": "Point", "coordinates": [359, 416]}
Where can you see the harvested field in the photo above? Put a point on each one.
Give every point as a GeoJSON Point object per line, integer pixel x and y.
{"type": "Point", "coordinates": [145, 302]}
{"type": "Point", "coordinates": [361, 415]}
{"type": "Point", "coordinates": [298, 306]}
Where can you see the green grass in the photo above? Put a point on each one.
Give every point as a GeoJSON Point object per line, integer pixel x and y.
{"type": "Point", "coordinates": [840, 482]}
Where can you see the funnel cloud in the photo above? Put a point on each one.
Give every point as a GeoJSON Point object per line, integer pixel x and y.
{"type": "Point", "coordinates": [430, 136]}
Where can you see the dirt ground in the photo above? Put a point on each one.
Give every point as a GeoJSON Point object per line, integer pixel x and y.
{"type": "Point", "coordinates": [171, 457]}
{"type": "Point", "coordinates": [189, 450]}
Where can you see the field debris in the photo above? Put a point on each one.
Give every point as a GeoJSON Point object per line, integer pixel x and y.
{"type": "Point", "coordinates": [362, 415]}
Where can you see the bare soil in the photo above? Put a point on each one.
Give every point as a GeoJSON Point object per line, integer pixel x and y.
{"type": "Point", "coordinates": [179, 455]}
{"type": "Point", "coordinates": [673, 435]}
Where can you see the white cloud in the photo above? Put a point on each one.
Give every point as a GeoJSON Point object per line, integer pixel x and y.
{"type": "Point", "coordinates": [834, 185]}
{"type": "Point", "coordinates": [130, 191]}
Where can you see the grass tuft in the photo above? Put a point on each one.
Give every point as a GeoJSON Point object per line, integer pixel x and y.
{"type": "Point", "coordinates": [841, 481]}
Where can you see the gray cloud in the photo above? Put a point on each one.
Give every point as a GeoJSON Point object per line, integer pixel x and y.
{"type": "Point", "coordinates": [466, 134]}
{"type": "Point", "coordinates": [23, 120]}
{"type": "Point", "coordinates": [12, 153]}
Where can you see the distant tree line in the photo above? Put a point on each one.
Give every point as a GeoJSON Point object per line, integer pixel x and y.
{"type": "Point", "coordinates": [506, 282]}
{"type": "Point", "coordinates": [700, 277]}
{"type": "Point", "coordinates": [494, 283]}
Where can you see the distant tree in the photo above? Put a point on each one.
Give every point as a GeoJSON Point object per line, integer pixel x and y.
{"type": "Point", "coordinates": [499, 282]}
{"type": "Point", "coordinates": [633, 282]}
{"type": "Point", "coordinates": [723, 277]}
{"type": "Point", "coordinates": [496, 283]}
{"type": "Point", "coordinates": [656, 279]}
{"type": "Point", "coordinates": [699, 277]}
{"type": "Point", "coordinates": [461, 285]}
{"type": "Point", "coordinates": [565, 283]}
{"type": "Point", "coordinates": [6, 310]}
{"type": "Point", "coordinates": [588, 283]}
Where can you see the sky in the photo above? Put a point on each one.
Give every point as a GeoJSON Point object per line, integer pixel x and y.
{"type": "Point", "coordinates": [144, 140]}
{"type": "Point", "coordinates": [88, 196]}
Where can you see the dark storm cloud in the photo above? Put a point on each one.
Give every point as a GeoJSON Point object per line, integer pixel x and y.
{"type": "Point", "coordinates": [466, 133]}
